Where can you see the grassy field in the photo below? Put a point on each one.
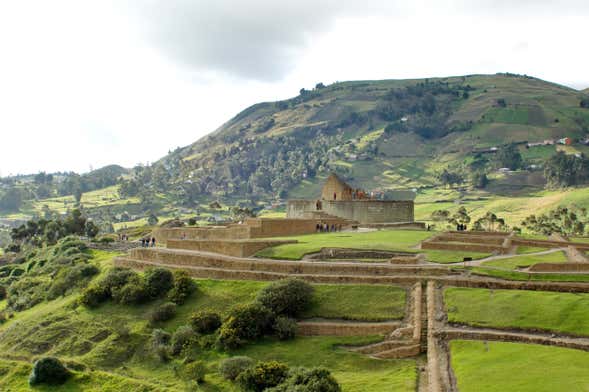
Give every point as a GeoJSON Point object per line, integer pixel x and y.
{"type": "Point", "coordinates": [512, 263]}
{"type": "Point", "coordinates": [353, 371]}
{"type": "Point", "coordinates": [559, 312]}
{"type": "Point", "coordinates": [522, 250]}
{"type": "Point", "coordinates": [451, 256]}
{"type": "Point", "coordinates": [399, 240]}
{"type": "Point", "coordinates": [501, 366]}
{"type": "Point", "coordinates": [357, 302]}
{"type": "Point", "coordinates": [113, 340]}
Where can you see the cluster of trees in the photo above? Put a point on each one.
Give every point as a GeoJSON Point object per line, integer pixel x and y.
{"type": "Point", "coordinates": [563, 220]}
{"type": "Point", "coordinates": [562, 170]}
{"type": "Point", "coordinates": [488, 222]}
{"type": "Point", "coordinates": [48, 232]}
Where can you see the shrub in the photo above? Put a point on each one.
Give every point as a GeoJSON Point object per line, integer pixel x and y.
{"type": "Point", "coordinates": [160, 344]}
{"type": "Point", "coordinates": [2, 292]}
{"type": "Point", "coordinates": [263, 375]}
{"type": "Point", "coordinates": [158, 281]}
{"type": "Point", "coordinates": [117, 277]}
{"type": "Point", "coordinates": [133, 292]}
{"type": "Point", "coordinates": [94, 296]}
{"type": "Point", "coordinates": [286, 297]}
{"type": "Point", "coordinates": [182, 338]}
{"type": "Point", "coordinates": [164, 312]}
{"type": "Point", "coordinates": [205, 322]}
{"type": "Point", "coordinates": [184, 286]}
{"type": "Point", "coordinates": [308, 380]}
{"type": "Point", "coordinates": [230, 368]}
{"type": "Point", "coordinates": [246, 322]}
{"type": "Point", "coordinates": [48, 370]}
{"type": "Point", "coordinates": [25, 293]}
{"type": "Point", "coordinates": [285, 328]}
{"type": "Point", "coordinates": [106, 240]}
{"type": "Point", "coordinates": [69, 278]}
{"type": "Point", "coordinates": [195, 371]}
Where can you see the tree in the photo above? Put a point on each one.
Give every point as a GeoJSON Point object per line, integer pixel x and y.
{"type": "Point", "coordinates": [480, 180]}
{"type": "Point", "coordinates": [460, 217]}
{"type": "Point", "coordinates": [50, 371]}
{"type": "Point", "coordinates": [509, 156]}
{"type": "Point", "coordinates": [91, 230]}
{"type": "Point", "coordinates": [152, 220]}
{"type": "Point", "coordinates": [440, 215]}
{"type": "Point", "coordinates": [12, 200]}
{"type": "Point", "coordinates": [447, 177]}
{"type": "Point", "coordinates": [561, 170]}
{"type": "Point", "coordinates": [584, 103]}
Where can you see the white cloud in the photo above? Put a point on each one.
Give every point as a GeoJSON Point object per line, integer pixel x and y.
{"type": "Point", "coordinates": [92, 83]}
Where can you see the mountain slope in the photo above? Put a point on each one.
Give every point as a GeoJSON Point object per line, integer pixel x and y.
{"type": "Point", "coordinates": [386, 134]}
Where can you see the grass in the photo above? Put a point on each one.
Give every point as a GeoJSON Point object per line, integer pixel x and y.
{"type": "Point", "coordinates": [516, 275]}
{"type": "Point", "coordinates": [357, 302]}
{"type": "Point", "coordinates": [394, 240]}
{"type": "Point", "coordinates": [522, 250]}
{"type": "Point", "coordinates": [501, 366]}
{"type": "Point", "coordinates": [14, 377]}
{"type": "Point", "coordinates": [538, 310]}
{"type": "Point", "coordinates": [353, 371]}
{"type": "Point", "coordinates": [450, 256]}
{"type": "Point", "coordinates": [513, 263]}
{"type": "Point", "coordinates": [121, 361]}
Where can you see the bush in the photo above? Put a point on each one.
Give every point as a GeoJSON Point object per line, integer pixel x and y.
{"type": "Point", "coordinates": [184, 286]}
{"type": "Point", "coordinates": [195, 371]}
{"type": "Point", "coordinates": [285, 328]}
{"type": "Point", "coordinates": [160, 344]}
{"type": "Point", "coordinates": [205, 322]}
{"type": "Point", "coordinates": [246, 322]}
{"type": "Point", "coordinates": [308, 380]}
{"type": "Point", "coordinates": [69, 278]}
{"type": "Point", "coordinates": [25, 293]}
{"type": "Point", "coordinates": [263, 375]}
{"type": "Point", "coordinates": [286, 297]}
{"type": "Point", "coordinates": [106, 240]}
{"type": "Point", "coordinates": [164, 312]}
{"type": "Point", "coordinates": [94, 296]}
{"type": "Point", "coordinates": [230, 368]}
{"type": "Point", "coordinates": [2, 292]}
{"type": "Point", "coordinates": [50, 371]}
{"type": "Point", "coordinates": [132, 293]}
{"type": "Point", "coordinates": [117, 278]}
{"type": "Point", "coordinates": [182, 338]}
{"type": "Point", "coordinates": [158, 281]}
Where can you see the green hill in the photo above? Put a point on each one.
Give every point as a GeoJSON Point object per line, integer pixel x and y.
{"type": "Point", "coordinates": [388, 134]}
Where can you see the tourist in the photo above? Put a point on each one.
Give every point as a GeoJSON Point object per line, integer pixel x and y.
{"type": "Point", "coordinates": [326, 228]}
{"type": "Point", "coordinates": [153, 242]}
{"type": "Point", "coordinates": [318, 228]}
{"type": "Point", "coordinates": [143, 242]}
{"type": "Point", "coordinates": [334, 196]}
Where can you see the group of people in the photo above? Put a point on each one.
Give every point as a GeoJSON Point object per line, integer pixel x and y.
{"type": "Point", "coordinates": [146, 241]}
{"type": "Point", "coordinates": [460, 227]}
{"type": "Point", "coordinates": [123, 237]}
{"type": "Point", "coordinates": [326, 228]}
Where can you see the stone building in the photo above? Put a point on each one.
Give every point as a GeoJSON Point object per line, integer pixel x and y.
{"type": "Point", "coordinates": [339, 199]}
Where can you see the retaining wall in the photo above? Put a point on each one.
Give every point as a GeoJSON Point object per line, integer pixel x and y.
{"type": "Point", "coordinates": [238, 248]}
{"type": "Point", "coordinates": [505, 336]}
{"type": "Point", "coordinates": [211, 260]}
{"type": "Point", "coordinates": [463, 247]}
{"type": "Point", "coordinates": [327, 328]}
{"type": "Point", "coordinates": [560, 267]}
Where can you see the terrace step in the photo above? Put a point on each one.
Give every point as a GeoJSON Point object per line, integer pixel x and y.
{"type": "Point", "coordinates": [409, 350]}
{"type": "Point", "coordinates": [233, 274]}
{"type": "Point", "coordinates": [214, 260]}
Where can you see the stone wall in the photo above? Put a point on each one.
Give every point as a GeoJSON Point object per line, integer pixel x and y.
{"type": "Point", "coordinates": [297, 208]}
{"type": "Point", "coordinates": [560, 267]}
{"type": "Point", "coordinates": [334, 328]}
{"type": "Point", "coordinates": [371, 211]}
{"type": "Point", "coordinates": [462, 247]}
{"type": "Point", "coordinates": [238, 248]}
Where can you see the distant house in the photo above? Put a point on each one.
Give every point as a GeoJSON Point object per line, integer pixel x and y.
{"type": "Point", "coordinates": [548, 142]}
{"type": "Point", "coordinates": [567, 141]}
{"type": "Point", "coordinates": [504, 170]}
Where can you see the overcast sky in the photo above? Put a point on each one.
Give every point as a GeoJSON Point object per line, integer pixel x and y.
{"type": "Point", "coordinates": [89, 83]}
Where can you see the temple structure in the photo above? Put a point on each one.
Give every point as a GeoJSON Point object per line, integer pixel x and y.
{"type": "Point", "coordinates": [339, 199]}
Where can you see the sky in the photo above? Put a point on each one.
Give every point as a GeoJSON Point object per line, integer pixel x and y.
{"type": "Point", "coordinates": [87, 83]}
